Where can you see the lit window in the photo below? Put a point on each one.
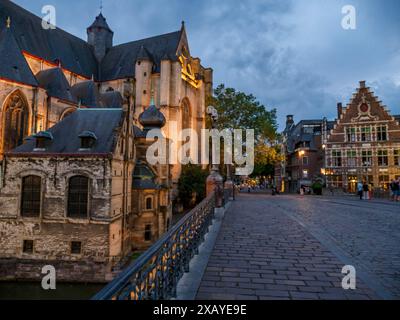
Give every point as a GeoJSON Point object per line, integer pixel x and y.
{"type": "Point", "coordinates": [305, 174]}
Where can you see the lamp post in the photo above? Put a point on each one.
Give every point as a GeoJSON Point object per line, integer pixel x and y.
{"type": "Point", "coordinates": [215, 182]}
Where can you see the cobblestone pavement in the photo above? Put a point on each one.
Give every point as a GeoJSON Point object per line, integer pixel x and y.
{"type": "Point", "coordinates": [292, 247]}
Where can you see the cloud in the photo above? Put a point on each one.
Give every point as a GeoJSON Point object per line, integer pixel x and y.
{"type": "Point", "coordinates": [292, 54]}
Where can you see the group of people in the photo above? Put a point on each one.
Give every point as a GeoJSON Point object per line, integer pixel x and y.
{"type": "Point", "coordinates": [395, 190]}
{"type": "Point", "coordinates": [364, 190]}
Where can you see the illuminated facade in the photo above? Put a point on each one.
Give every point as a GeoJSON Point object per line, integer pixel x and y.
{"type": "Point", "coordinates": [51, 80]}
{"type": "Point", "coordinates": [364, 144]}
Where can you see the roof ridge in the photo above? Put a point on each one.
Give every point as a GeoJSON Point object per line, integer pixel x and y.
{"type": "Point", "coordinates": [149, 38]}
{"type": "Point", "coordinates": [25, 11]}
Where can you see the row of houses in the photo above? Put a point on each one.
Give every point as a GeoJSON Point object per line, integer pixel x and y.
{"type": "Point", "coordinates": [362, 144]}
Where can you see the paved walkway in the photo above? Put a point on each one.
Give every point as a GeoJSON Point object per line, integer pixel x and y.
{"type": "Point", "coordinates": [292, 247]}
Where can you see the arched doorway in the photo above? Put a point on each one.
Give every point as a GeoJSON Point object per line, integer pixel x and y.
{"type": "Point", "coordinates": [16, 121]}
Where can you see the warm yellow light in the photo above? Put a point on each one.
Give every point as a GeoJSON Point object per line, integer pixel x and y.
{"type": "Point", "coordinates": [323, 171]}
{"type": "Point", "coordinates": [302, 153]}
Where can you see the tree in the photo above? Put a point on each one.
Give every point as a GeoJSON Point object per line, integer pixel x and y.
{"type": "Point", "coordinates": [238, 110]}
{"type": "Point", "coordinates": [192, 185]}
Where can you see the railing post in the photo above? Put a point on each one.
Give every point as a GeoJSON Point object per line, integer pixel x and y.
{"type": "Point", "coordinates": [215, 184]}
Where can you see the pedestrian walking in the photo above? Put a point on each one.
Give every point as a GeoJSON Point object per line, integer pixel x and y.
{"type": "Point", "coordinates": [393, 189]}
{"type": "Point", "coordinates": [397, 190]}
{"type": "Point", "coordinates": [360, 190]}
{"type": "Point", "coordinates": [366, 191]}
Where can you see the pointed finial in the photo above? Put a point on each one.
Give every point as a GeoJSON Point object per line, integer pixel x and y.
{"type": "Point", "coordinates": [101, 6]}
{"type": "Point", "coordinates": [8, 22]}
{"type": "Point", "coordinates": [183, 23]}
{"type": "Point", "coordinates": [152, 94]}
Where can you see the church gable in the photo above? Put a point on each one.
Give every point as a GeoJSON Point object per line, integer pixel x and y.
{"type": "Point", "coordinates": [364, 111]}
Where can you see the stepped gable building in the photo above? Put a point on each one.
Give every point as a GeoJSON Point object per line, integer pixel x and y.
{"type": "Point", "coordinates": [364, 144]}
{"type": "Point", "coordinates": [75, 188]}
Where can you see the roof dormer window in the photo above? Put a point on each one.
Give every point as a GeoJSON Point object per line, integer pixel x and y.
{"type": "Point", "coordinates": [88, 140]}
{"type": "Point", "coordinates": [43, 139]}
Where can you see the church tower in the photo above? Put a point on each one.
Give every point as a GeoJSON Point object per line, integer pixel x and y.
{"type": "Point", "coordinates": [100, 37]}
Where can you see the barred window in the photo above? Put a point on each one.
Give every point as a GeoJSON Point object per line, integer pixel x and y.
{"type": "Point", "coordinates": [336, 158]}
{"type": "Point", "coordinates": [366, 156]}
{"type": "Point", "coordinates": [351, 134]}
{"type": "Point", "coordinates": [383, 159]}
{"type": "Point", "coordinates": [31, 196]}
{"type": "Point", "coordinates": [396, 155]}
{"type": "Point", "coordinates": [78, 193]}
{"type": "Point", "coordinates": [366, 134]}
{"type": "Point", "coordinates": [351, 158]}
{"type": "Point", "coordinates": [382, 133]}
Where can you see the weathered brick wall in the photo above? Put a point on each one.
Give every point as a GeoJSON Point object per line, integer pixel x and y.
{"type": "Point", "coordinates": [53, 231]}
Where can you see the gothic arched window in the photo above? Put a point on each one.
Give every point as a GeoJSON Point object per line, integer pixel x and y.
{"type": "Point", "coordinates": [31, 196]}
{"type": "Point", "coordinates": [16, 121]}
{"type": "Point", "coordinates": [78, 194]}
{"type": "Point", "coordinates": [186, 115]}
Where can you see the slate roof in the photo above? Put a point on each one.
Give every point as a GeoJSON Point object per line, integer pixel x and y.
{"type": "Point", "coordinates": [13, 65]}
{"type": "Point", "coordinates": [119, 61]}
{"type": "Point", "coordinates": [87, 93]}
{"type": "Point", "coordinates": [143, 177]}
{"type": "Point", "coordinates": [75, 54]}
{"type": "Point", "coordinates": [100, 22]}
{"type": "Point", "coordinates": [152, 118]}
{"type": "Point", "coordinates": [55, 83]}
{"type": "Point", "coordinates": [111, 99]}
{"type": "Point", "coordinates": [53, 44]}
{"type": "Point", "coordinates": [103, 123]}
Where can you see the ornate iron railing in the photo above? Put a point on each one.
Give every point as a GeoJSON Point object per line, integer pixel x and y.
{"type": "Point", "coordinates": [155, 274]}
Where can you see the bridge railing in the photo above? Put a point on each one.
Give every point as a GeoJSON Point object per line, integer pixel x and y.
{"type": "Point", "coordinates": [155, 274]}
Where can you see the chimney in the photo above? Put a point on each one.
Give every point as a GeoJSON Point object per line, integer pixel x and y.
{"type": "Point", "coordinates": [289, 119]}
{"type": "Point", "coordinates": [339, 109]}
{"type": "Point", "coordinates": [362, 84]}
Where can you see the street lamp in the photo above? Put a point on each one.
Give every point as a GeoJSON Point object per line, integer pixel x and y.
{"type": "Point", "coordinates": [215, 182]}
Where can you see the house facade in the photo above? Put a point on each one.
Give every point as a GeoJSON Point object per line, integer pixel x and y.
{"type": "Point", "coordinates": [364, 144]}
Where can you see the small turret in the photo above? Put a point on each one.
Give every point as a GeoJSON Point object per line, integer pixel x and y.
{"type": "Point", "coordinates": [100, 37]}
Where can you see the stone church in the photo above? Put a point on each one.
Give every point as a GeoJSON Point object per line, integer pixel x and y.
{"type": "Point", "coordinates": [75, 188]}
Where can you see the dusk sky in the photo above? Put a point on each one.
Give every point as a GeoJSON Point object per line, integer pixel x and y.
{"type": "Point", "coordinates": [293, 55]}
